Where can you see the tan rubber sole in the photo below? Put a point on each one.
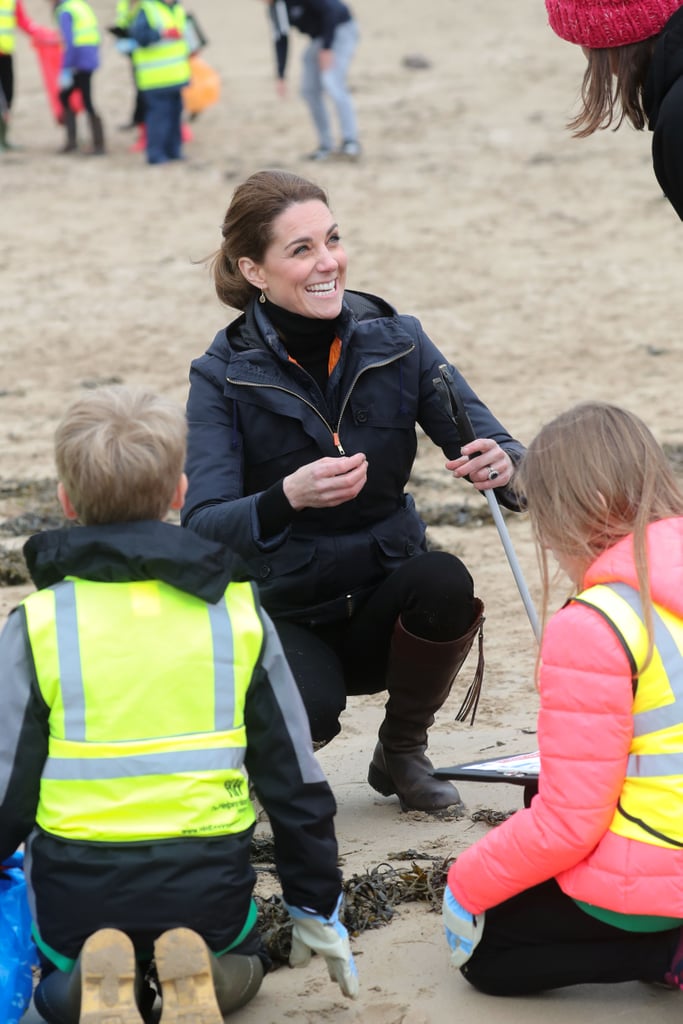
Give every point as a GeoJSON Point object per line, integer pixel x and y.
{"type": "Point", "coordinates": [108, 979]}
{"type": "Point", "coordinates": [183, 964]}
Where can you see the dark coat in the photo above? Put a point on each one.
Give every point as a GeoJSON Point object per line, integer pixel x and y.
{"type": "Point", "coordinates": [255, 417]}
{"type": "Point", "coordinates": [315, 18]}
{"type": "Point", "coordinates": [663, 102]}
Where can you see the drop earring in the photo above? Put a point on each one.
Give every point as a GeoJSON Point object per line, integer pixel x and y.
{"type": "Point", "coordinates": [262, 297]}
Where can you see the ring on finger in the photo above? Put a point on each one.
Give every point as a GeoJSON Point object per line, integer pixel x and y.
{"type": "Point", "coordinates": [493, 473]}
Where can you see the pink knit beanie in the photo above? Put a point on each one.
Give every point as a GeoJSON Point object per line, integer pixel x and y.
{"type": "Point", "coordinates": [600, 23]}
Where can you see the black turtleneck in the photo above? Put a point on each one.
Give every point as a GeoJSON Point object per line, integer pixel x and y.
{"type": "Point", "coordinates": [308, 341]}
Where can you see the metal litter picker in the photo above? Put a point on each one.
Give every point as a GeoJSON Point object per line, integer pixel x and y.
{"type": "Point", "coordinates": [448, 393]}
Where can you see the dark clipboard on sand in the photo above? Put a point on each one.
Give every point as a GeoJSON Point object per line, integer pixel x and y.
{"type": "Point", "coordinates": [518, 769]}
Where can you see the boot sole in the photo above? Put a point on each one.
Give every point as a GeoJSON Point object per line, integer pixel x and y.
{"type": "Point", "coordinates": [184, 968]}
{"type": "Point", "coordinates": [108, 979]}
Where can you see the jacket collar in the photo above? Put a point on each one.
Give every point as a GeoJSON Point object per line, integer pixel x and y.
{"type": "Point", "coordinates": [253, 330]}
{"type": "Point", "coordinates": [250, 341]}
{"type": "Point", "coordinates": [124, 552]}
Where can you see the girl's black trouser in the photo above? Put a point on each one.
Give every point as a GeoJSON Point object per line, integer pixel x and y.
{"type": "Point", "coordinates": [83, 82]}
{"type": "Point", "coordinates": [541, 940]}
{"type": "Point", "coordinates": [433, 595]}
{"type": "Point", "coordinates": [6, 78]}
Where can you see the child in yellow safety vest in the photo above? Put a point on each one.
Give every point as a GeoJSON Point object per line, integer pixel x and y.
{"type": "Point", "coordinates": [585, 885]}
{"type": "Point", "coordinates": [80, 34]}
{"type": "Point", "coordinates": [13, 16]}
{"type": "Point", "coordinates": [145, 691]}
{"type": "Point", "coordinates": [162, 69]}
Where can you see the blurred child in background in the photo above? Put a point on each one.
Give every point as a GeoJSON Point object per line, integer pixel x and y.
{"type": "Point", "coordinates": [81, 57]}
{"type": "Point", "coordinates": [162, 69]}
{"type": "Point", "coordinates": [12, 16]}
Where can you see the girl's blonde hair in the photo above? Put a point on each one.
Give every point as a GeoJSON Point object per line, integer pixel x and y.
{"type": "Point", "coordinates": [119, 453]}
{"type": "Point", "coordinates": [591, 476]}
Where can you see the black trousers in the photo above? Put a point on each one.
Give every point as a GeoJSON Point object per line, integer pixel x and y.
{"type": "Point", "coordinates": [83, 82]}
{"type": "Point", "coordinates": [7, 79]}
{"type": "Point", "coordinates": [542, 940]}
{"type": "Point", "coordinates": [432, 593]}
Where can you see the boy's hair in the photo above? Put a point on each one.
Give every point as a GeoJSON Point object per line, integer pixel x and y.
{"type": "Point", "coordinates": [591, 476]}
{"type": "Point", "coordinates": [120, 454]}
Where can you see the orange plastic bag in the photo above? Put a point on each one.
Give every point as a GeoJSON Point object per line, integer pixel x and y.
{"type": "Point", "coordinates": [48, 47]}
{"type": "Point", "coordinates": [204, 89]}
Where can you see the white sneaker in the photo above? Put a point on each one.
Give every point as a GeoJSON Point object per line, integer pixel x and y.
{"type": "Point", "coordinates": [319, 154]}
{"type": "Point", "coordinates": [350, 149]}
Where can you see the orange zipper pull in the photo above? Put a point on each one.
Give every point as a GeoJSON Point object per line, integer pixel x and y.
{"type": "Point", "coordinates": [335, 438]}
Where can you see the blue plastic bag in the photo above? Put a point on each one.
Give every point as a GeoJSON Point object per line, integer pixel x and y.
{"type": "Point", "coordinates": [17, 950]}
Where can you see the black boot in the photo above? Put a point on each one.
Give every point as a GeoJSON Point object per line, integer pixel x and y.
{"type": "Point", "coordinates": [97, 132]}
{"type": "Point", "coordinates": [71, 144]}
{"type": "Point", "coordinates": [420, 675]}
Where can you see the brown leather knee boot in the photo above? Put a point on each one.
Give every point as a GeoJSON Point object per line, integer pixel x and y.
{"type": "Point", "coordinates": [420, 675]}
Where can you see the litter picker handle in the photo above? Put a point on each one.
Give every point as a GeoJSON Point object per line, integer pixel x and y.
{"type": "Point", "coordinates": [455, 408]}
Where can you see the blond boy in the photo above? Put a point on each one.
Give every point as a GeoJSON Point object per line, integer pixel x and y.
{"type": "Point", "coordinates": [143, 681]}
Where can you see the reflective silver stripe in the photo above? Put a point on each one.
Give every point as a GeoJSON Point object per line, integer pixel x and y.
{"type": "Point", "coordinates": [671, 714]}
{"type": "Point", "coordinates": [644, 722]}
{"type": "Point", "coordinates": [287, 696]}
{"type": "Point", "coordinates": [224, 661]}
{"type": "Point", "coordinates": [162, 62]}
{"type": "Point", "coordinates": [91, 769]}
{"type": "Point", "coordinates": [69, 654]}
{"type": "Point", "coordinates": [645, 766]}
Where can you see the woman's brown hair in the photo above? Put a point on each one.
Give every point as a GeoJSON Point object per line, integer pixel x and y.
{"type": "Point", "coordinates": [248, 227]}
{"type": "Point", "coordinates": [612, 88]}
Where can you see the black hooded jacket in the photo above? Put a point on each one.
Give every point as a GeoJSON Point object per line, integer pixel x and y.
{"type": "Point", "coordinates": [203, 882]}
{"type": "Point", "coordinates": [663, 103]}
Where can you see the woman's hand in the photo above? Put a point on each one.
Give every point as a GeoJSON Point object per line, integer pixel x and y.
{"type": "Point", "coordinates": [484, 462]}
{"type": "Point", "coordinates": [327, 482]}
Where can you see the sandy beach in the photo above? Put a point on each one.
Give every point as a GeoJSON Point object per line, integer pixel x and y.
{"type": "Point", "coordinates": [547, 268]}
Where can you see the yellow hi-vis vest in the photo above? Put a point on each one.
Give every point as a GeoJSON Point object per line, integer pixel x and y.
{"type": "Point", "coordinates": [8, 25]}
{"type": "Point", "coordinates": [166, 62]}
{"type": "Point", "coordinates": [146, 687]}
{"type": "Point", "coordinates": [649, 808]}
{"type": "Point", "coordinates": [125, 12]}
{"type": "Point", "coordinates": [84, 22]}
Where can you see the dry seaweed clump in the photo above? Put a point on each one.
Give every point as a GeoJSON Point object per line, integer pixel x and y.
{"type": "Point", "coordinates": [26, 507]}
{"type": "Point", "coordinates": [370, 898]}
{"type": "Point", "coordinates": [13, 571]}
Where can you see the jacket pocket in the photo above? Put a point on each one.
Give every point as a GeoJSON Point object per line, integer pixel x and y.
{"type": "Point", "coordinates": [399, 537]}
{"type": "Point", "coordinates": [285, 577]}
